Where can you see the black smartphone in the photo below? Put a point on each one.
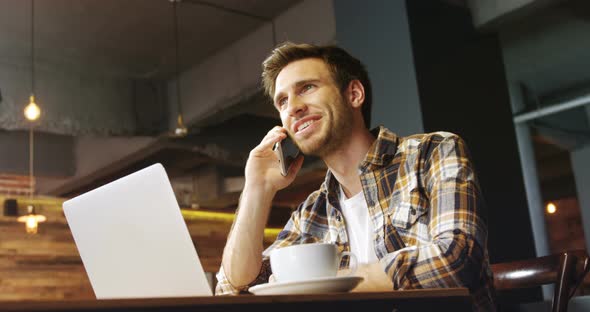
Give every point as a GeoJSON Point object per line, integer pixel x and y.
{"type": "Point", "coordinates": [287, 152]}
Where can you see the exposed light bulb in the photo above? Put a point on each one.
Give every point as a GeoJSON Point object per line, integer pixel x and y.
{"type": "Point", "coordinates": [551, 208]}
{"type": "Point", "coordinates": [32, 225]}
{"type": "Point", "coordinates": [32, 111]}
{"type": "Point", "coordinates": [180, 130]}
{"type": "Point", "coordinates": [32, 220]}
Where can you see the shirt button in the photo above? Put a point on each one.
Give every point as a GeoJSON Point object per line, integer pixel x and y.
{"type": "Point", "coordinates": [413, 211]}
{"type": "Point", "coordinates": [456, 231]}
{"type": "Point", "coordinates": [338, 218]}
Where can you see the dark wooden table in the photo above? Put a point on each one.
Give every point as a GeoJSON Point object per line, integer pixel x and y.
{"type": "Point", "coordinates": [455, 299]}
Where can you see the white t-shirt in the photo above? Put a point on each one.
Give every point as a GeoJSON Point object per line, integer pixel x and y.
{"type": "Point", "coordinates": [358, 227]}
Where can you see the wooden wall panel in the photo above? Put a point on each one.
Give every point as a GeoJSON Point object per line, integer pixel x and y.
{"type": "Point", "coordinates": [47, 266]}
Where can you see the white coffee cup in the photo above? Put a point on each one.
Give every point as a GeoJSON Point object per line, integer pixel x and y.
{"type": "Point", "coordinates": [308, 261]}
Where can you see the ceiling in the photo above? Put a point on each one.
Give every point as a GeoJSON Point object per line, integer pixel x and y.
{"type": "Point", "coordinates": [135, 39]}
{"type": "Point", "coordinates": [130, 38]}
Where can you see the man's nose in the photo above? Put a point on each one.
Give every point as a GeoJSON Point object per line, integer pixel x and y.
{"type": "Point", "coordinates": [296, 106]}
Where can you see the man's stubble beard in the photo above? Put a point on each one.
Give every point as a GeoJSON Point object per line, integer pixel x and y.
{"type": "Point", "coordinates": [339, 128]}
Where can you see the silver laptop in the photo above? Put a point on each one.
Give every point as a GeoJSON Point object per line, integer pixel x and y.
{"type": "Point", "coordinates": [133, 240]}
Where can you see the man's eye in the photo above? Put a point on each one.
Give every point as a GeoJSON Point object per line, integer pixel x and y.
{"type": "Point", "coordinates": [307, 87]}
{"type": "Point", "coordinates": [282, 102]}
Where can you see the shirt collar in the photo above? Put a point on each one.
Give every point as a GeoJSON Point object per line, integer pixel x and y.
{"type": "Point", "coordinates": [383, 149]}
{"type": "Point", "coordinates": [330, 187]}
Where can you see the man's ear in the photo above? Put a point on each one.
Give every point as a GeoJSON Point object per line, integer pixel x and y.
{"type": "Point", "coordinates": [355, 93]}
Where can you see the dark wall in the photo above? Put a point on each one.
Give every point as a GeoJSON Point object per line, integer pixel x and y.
{"type": "Point", "coordinates": [377, 33]}
{"type": "Point", "coordinates": [54, 156]}
{"type": "Point", "coordinates": [462, 87]}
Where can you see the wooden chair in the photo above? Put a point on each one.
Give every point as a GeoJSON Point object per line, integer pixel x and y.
{"type": "Point", "coordinates": [565, 270]}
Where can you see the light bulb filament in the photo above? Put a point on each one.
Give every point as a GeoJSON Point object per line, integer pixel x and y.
{"type": "Point", "coordinates": [32, 111]}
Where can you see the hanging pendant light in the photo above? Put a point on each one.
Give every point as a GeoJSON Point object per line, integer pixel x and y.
{"type": "Point", "coordinates": [181, 129]}
{"type": "Point", "coordinates": [32, 111]}
{"type": "Point", "coordinates": [31, 220]}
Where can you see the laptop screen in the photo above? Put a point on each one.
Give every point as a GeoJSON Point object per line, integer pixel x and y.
{"type": "Point", "coordinates": [133, 240]}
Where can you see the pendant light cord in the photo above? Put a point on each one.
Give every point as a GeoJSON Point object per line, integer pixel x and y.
{"type": "Point", "coordinates": [31, 146]}
{"type": "Point", "coordinates": [177, 57]}
{"type": "Point", "coordinates": [31, 167]}
{"type": "Point", "coordinates": [33, 47]}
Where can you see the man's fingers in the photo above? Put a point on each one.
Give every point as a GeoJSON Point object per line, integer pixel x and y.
{"type": "Point", "coordinates": [277, 128]}
{"type": "Point", "coordinates": [274, 132]}
{"type": "Point", "coordinates": [270, 139]}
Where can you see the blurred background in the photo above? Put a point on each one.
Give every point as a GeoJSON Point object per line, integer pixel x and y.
{"type": "Point", "coordinates": [122, 84]}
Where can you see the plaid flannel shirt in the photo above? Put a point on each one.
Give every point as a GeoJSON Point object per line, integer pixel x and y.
{"type": "Point", "coordinates": [427, 210]}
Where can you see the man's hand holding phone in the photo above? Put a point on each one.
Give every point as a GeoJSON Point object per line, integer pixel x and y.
{"type": "Point", "coordinates": [287, 152]}
{"type": "Point", "coordinates": [263, 168]}
{"type": "Point", "coordinates": [242, 255]}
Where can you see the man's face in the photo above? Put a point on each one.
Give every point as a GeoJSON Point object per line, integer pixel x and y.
{"type": "Point", "coordinates": [312, 108]}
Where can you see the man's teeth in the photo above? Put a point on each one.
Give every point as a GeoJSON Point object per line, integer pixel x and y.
{"type": "Point", "coordinates": [305, 125]}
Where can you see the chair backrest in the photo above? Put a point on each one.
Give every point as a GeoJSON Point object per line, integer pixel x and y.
{"type": "Point", "coordinates": [565, 270]}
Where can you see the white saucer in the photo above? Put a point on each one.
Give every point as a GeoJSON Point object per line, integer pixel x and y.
{"type": "Point", "coordinates": [315, 286]}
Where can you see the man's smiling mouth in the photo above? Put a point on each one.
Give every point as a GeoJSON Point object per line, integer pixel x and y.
{"type": "Point", "coordinates": [304, 125]}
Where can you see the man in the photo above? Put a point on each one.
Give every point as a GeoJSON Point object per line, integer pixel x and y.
{"type": "Point", "coordinates": [409, 208]}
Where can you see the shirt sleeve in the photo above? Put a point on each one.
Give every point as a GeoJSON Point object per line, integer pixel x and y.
{"type": "Point", "coordinates": [455, 254]}
{"type": "Point", "coordinates": [290, 234]}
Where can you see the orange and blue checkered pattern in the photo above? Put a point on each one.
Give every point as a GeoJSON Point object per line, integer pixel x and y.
{"type": "Point", "coordinates": [427, 210]}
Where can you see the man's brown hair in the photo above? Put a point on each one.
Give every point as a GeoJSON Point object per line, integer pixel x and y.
{"type": "Point", "coordinates": [343, 67]}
